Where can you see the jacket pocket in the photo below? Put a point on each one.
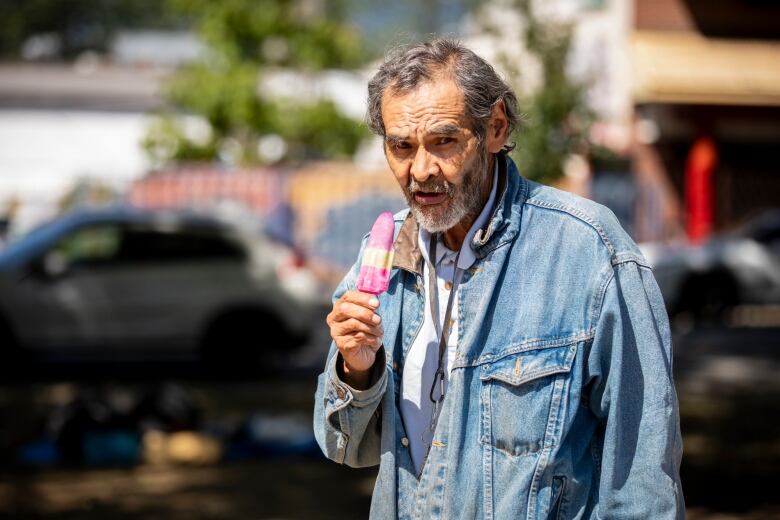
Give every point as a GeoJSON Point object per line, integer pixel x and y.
{"type": "Point", "coordinates": [522, 396]}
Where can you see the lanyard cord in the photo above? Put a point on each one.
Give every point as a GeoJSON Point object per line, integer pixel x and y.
{"type": "Point", "coordinates": [443, 329]}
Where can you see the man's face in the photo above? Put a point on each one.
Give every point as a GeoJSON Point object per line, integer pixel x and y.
{"type": "Point", "coordinates": [434, 154]}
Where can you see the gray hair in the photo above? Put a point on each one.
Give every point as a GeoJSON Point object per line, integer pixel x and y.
{"type": "Point", "coordinates": [406, 67]}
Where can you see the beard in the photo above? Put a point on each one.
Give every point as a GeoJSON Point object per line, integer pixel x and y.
{"type": "Point", "coordinates": [462, 201]}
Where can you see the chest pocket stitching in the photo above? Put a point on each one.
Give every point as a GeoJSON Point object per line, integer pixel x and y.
{"type": "Point", "coordinates": [511, 369]}
{"type": "Point", "coordinates": [523, 348]}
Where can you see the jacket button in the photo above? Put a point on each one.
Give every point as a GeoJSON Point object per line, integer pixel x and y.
{"type": "Point", "coordinates": [340, 392]}
{"type": "Point", "coordinates": [448, 285]}
{"type": "Point", "coordinates": [404, 442]}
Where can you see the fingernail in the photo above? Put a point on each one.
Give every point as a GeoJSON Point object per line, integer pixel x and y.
{"type": "Point", "coordinates": [376, 318]}
{"type": "Point", "coordinates": [373, 302]}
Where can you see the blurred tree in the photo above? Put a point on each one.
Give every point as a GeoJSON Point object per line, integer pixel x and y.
{"type": "Point", "coordinates": [556, 116]}
{"type": "Point", "coordinates": [246, 39]}
{"type": "Point", "coordinates": [287, 33]}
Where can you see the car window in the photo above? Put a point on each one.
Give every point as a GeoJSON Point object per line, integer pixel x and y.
{"type": "Point", "coordinates": [145, 245]}
{"type": "Point", "coordinates": [94, 245]}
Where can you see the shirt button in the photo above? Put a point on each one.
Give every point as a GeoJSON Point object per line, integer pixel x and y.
{"type": "Point", "coordinates": [340, 392]}
{"type": "Point", "coordinates": [448, 285]}
{"type": "Point", "coordinates": [404, 442]}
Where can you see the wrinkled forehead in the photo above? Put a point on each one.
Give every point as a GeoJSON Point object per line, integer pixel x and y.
{"type": "Point", "coordinates": [434, 103]}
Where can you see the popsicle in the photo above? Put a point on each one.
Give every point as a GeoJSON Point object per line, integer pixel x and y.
{"type": "Point", "coordinates": [374, 276]}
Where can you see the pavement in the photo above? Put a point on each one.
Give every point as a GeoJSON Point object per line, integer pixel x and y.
{"type": "Point", "coordinates": [729, 401]}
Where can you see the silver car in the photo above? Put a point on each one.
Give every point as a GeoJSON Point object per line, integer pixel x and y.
{"type": "Point", "coordinates": [123, 284]}
{"type": "Point", "coordinates": [736, 269]}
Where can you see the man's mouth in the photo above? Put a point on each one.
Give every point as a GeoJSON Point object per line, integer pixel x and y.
{"type": "Point", "coordinates": [429, 198]}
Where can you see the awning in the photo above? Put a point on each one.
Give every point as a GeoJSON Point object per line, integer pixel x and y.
{"type": "Point", "coordinates": [689, 68]}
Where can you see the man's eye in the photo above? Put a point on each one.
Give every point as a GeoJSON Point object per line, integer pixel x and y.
{"type": "Point", "coordinates": [444, 140]}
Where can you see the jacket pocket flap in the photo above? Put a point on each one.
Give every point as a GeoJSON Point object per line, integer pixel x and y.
{"type": "Point", "coordinates": [516, 369]}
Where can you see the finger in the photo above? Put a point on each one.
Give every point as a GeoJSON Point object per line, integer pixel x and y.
{"type": "Point", "coordinates": [344, 311]}
{"type": "Point", "coordinates": [353, 327]}
{"type": "Point", "coordinates": [359, 341]}
{"type": "Point", "coordinates": [373, 342]}
{"type": "Point", "coordinates": [366, 300]}
{"type": "Point", "coordinates": [343, 336]}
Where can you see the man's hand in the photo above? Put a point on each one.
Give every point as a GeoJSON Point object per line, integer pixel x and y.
{"type": "Point", "coordinates": [356, 329]}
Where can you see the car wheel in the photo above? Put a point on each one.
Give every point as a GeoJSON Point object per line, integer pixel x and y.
{"type": "Point", "coordinates": [242, 339]}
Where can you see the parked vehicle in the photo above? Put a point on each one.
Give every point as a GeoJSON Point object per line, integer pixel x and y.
{"type": "Point", "coordinates": [124, 284]}
{"type": "Point", "coordinates": [737, 268]}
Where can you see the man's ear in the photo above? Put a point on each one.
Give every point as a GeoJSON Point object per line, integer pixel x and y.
{"type": "Point", "coordinates": [497, 128]}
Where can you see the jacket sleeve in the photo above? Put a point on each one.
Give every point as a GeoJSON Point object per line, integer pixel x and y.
{"type": "Point", "coordinates": [347, 422]}
{"type": "Point", "coordinates": [633, 395]}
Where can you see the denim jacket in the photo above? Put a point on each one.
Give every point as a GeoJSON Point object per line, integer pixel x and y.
{"type": "Point", "coordinates": [560, 402]}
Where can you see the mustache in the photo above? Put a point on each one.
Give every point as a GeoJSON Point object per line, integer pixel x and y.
{"type": "Point", "coordinates": [429, 186]}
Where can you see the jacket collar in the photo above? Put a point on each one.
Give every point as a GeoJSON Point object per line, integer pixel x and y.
{"type": "Point", "coordinates": [502, 227]}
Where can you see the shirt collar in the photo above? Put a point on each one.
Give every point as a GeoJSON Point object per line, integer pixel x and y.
{"type": "Point", "coordinates": [467, 254]}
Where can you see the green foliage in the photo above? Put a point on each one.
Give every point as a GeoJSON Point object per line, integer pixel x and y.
{"type": "Point", "coordinates": [225, 96]}
{"type": "Point", "coordinates": [166, 140]}
{"type": "Point", "coordinates": [317, 130]}
{"type": "Point", "coordinates": [246, 38]}
{"type": "Point", "coordinates": [557, 116]}
{"type": "Point", "coordinates": [275, 32]}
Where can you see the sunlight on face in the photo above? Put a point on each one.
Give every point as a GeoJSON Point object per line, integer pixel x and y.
{"type": "Point", "coordinates": [433, 153]}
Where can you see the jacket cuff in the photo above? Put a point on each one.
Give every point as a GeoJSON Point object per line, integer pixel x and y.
{"type": "Point", "coordinates": [340, 394]}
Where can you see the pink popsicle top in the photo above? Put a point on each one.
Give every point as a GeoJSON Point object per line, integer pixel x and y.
{"type": "Point", "coordinates": [374, 276]}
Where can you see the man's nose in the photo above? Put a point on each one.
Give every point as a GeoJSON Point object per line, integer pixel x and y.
{"type": "Point", "coordinates": [423, 165]}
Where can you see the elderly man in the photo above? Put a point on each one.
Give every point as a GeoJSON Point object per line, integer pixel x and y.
{"type": "Point", "coordinates": [520, 364]}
